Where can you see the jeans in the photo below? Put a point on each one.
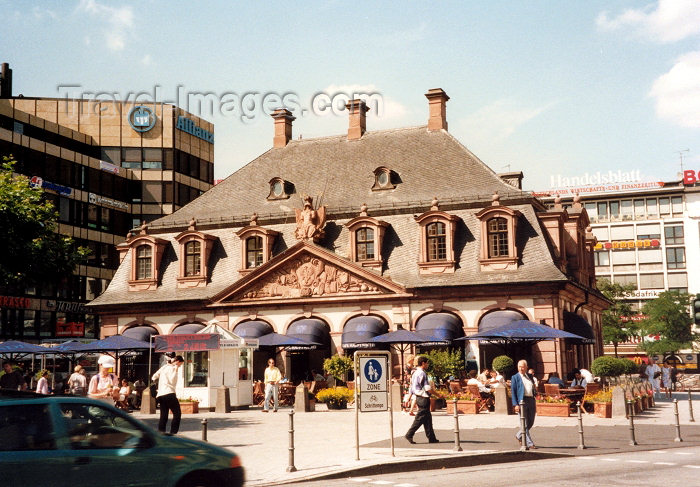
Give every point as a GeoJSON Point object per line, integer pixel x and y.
{"type": "Point", "coordinates": [271, 390]}
{"type": "Point", "coordinates": [169, 402]}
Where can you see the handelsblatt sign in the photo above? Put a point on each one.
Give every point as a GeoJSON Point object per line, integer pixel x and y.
{"type": "Point", "coordinates": [196, 342]}
{"type": "Point", "coordinates": [373, 384]}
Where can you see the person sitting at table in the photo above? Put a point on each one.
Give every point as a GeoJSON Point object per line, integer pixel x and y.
{"type": "Point", "coordinates": [495, 380]}
{"type": "Point", "coordinates": [578, 381]}
{"type": "Point", "coordinates": [484, 376]}
{"type": "Point", "coordinates": [316, 376]}
{"type": "Point", "coordinates": [473, 381]}
{"type": "Point", "coordinates": [586, 374]}
{"type": "Point", "coordinates": [555, 379]}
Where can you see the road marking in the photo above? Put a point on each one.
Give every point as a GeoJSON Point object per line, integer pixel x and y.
{"type": "Point", "coordinates": [657, 451]}
{"type": "Point", "coordinates": [682, 453]}
{"type": "Point", "coordinates": [692, 466]}
{"type": "Point", "coordinates": [359, 479]}
{"type": "Point", "coordinates": [665, 463]}
{"type": "Point", "coordinates": [585, 458]}
{"type": "Point", "coordinates": [406, 485]}
{"type": "Point", "coordinates": [382, 482]}
{"type": "Point", "coordinates": [637, 461]}
{"type": "Point", "coordinates": [610, 459]}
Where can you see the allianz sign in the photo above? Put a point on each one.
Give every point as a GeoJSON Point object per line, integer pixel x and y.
{"type": "Point", "coordinates": [187, 125]}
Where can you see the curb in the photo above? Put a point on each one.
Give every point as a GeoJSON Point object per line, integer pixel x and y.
{"type": "Point", "coordinates": [455, 460]}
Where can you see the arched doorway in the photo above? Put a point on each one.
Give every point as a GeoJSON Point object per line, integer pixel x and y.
{"type": "Point", "coordinates": [487, 352]}
{"type": "Point", "coordinates": [256, 329]}
{"type": "Point", "coordinates": [134, 366]}
{"type": "Point", "coordinates": [358, 333]}
{"type": "Point", "coordinates": [440, 330]}
{"type": "Point", "coordinates": [303, 359]}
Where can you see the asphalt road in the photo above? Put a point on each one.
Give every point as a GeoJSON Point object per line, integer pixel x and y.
{"type": "Point", "coordinates": [680, 466]}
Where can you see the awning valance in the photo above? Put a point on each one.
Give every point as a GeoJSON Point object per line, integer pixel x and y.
{"type": "Point", "coordinates": [252, 329]}
{"type": "Point", "coordinates": [440, 327]}
{"type": "Point", "coordinates": [310, 330]}
{"type": "Point", "coordinates": [188, 329]}
{"type": "Point", "coordinates": [577, 325]}
{"type": "Point", "coordinates": [359, 331]}
{"type": "Point", "coordinates": [142, 333]}
{"type": "Point", "coordinates": [494, 319]}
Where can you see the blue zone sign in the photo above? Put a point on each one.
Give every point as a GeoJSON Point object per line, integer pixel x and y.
{"type": "Point", "coordinates": [373, 371]}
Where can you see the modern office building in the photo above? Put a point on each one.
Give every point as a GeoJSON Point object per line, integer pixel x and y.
{"type": "Point", "coordinates": [648, 235]}
{"type": "Point", "coordinates": [107, 167]}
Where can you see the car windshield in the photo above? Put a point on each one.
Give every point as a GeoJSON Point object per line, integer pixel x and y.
{"type": "Point", "coordinates": [92, 426]}
{"type": "Point", "coordinates": [26, 427]}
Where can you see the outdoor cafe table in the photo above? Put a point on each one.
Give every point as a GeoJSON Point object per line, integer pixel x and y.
{"type": "Point", "coordinates": [574, 394]}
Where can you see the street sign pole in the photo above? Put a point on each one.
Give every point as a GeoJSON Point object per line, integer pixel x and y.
{"type": "Point", "coordinates": [372, 389]}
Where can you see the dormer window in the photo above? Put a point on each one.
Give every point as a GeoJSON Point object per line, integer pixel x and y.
{"type": "Point", "coordinates": [384, 178]}
{"type": "Point", "coordinates": [144, 256]}
{"type": "Point", "coordinates": [254, 252]}
{"type": "Point", "coordinates": [195, 248]}
{"type": "Point", "coordinates": [499, 224]}
{"type": "Point", "coordinates": [437, 230]}
{"type": "Point", "coordinates": [366, 236]}
{"type": "Point", "coordinates": [256, 245]}
{"type": "Point", "coordinates": [280, 189]}
{"type": "Point", "coordinates": [146, 253]}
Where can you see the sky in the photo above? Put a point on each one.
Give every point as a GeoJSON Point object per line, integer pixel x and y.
{"type": "Point", "coordinates": [549, 88]}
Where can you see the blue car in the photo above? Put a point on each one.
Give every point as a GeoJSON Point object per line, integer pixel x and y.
{"type": "Point", "coordinates": [67, 441]}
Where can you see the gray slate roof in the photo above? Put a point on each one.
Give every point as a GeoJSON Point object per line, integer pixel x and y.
{"type": "Point", "coordinates": [429, 164]}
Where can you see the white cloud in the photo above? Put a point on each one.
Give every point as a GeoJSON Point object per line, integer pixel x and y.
{"type": "Point", "coordinates": [118, 22]}
{"type": "Point", "coordinates": [677, 92]}
{"type": "Point", "coordinates": [669, 21]}
{"type": "Point", "coordinates": [381, 106]}
{"type": "Point", "coordinates": [39, 13]}
{"type": "Point", "coordinates": [499, 120]}
{"type": "Point", "coordinates": [146, 60]}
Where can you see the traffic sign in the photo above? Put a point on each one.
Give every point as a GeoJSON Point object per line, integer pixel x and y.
{"type": "Point", "coordinates": [373, 384]}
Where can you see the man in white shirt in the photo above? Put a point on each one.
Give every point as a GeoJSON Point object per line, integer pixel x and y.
{"type": "Point", "coordinates": [167, 381]}
{"type": "Point", "coordinates": [523, 391]}
{"type": "Point", "coordinates": [272, 377]}
{"type": "Point", "coordinates": [420, 386]}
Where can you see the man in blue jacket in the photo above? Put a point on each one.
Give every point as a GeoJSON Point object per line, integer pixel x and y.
{"type": "Point", "coordinates": [523, 389]}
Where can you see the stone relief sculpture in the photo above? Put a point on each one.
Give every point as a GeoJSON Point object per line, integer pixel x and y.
{"type": "Point", "coordinates": [309, 276]}
{"type": "Point", "coordinates": [310, 222]}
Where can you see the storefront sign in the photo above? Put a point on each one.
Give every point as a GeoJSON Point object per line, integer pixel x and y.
{"type": "Point", "coordinates": [38, 182]}
{"type": "Point", "coordinates": [196, 342]}
{"type": "Point", "coordinates": [12, 302]}
{"type": "Point", "coordinates": [109, 167]}
{"type": "Point", "coordinates": [96, 199]}
{"type": "Point", "coordinates": [690, 177]}
{"type": "Point", "coordinates": [645, 293]}
{"type": "Point", "coordinates": [66, 306]}
{"type": "Point", "coordinates": [141, 118]}
{"type": "Point", "coordinates": [187, 125]}
{"type": "Point", "coordinates": [70, 329]}
{"type": "Point", "coordinates": [598, 178]}
{"type": "Point", "coordinates": [625, 319]}
{"type": "Point", "coordinates": [627, 244]}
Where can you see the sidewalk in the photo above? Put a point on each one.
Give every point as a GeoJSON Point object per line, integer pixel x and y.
{"type": "Point", "coordinates": [325, 440]}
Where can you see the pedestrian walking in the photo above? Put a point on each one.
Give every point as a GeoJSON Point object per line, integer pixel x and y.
{"type": "Point", "coordinates": [42, 387]}
{"type": "Point", "coordinates": [653, 373]}
{"type": "Point", "coordinates": [166, 398]}
{"type": "Point", "coordinates": [523, 389]}
{"type": "Point", "coordinates": [11, 378]}
{"type": "Point", "coordinates": [272, 378]}
{"type": "Point", "coordinates": [421, 388]}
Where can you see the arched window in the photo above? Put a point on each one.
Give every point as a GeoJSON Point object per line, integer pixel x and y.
{"type": "Point", "coordinates": [254, 252]}
{"type": "Point", "coordinates": [193, 258]}
{"type": "Point", "coordinates": [364, 244]}
{"type": "Point", "coordinates": [498, 237]}
{"type": "Point", "coordinates": [437, 241]}
{"type": "Point", "coordinates": [144, 255]}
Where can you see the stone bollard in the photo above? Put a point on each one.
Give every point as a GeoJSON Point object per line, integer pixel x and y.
{"type": "Point", "coordinates": [396, 397]}
{"type": "Point", "coordinates": [630, 404]}
{"type": "Point", "coordinates": [502, 401]}
{"type": "Point", "coordinates": [523, 429]}
{"type": "Point", "coordinates": [148, 403]}
{"type": "Point", "coordinates": [301, 398]}
{"type": "Point", "coordinates": [223, 400]}
{"type": "Point", "coordinates": [678, 423]}
{"type": "Point", "coordinates": [690, 406]}
{"type": "Point", "coordinates": [581, 445]}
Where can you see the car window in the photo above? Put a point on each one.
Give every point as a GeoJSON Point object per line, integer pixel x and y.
{"type": "Point", "coordinates": [92, 426]}
{"type": "Point", "coordinates": [26, 427]}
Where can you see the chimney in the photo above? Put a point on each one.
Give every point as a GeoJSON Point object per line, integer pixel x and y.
{"type": "Point", "coordinates": [358, 122]}
{"type": "Point", "coordinates": [5, 81]}
{"type": "Point", "coordinates": [437, 99]}
{"type": "Point", "coordinates": [283, 127]}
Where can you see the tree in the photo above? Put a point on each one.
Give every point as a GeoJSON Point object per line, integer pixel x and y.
{"type": "Point", "coordinates": [33, 251]}
{"type": "Point", "coordinates": [616, 330]}
{"type": "Point", "coordinates": [337, 366]}
{"type": "Point", "coordinates": [443, 364]}
{"type": "Point", "coordinates": [504, 365]}
{"type": "Point", "coordinates": [669, 319]}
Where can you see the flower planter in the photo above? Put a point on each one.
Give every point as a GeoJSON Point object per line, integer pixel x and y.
{"type": "Point", "coordinates": [463, 407]}
{"type": "Point", "coordinates": [602, 409]}
{"type": "Point", "coordinates": [559, 409]}
{"type": "Point", "coordinates": [189, 407]}
{"type": "Point", "coordinates": [337, 405]}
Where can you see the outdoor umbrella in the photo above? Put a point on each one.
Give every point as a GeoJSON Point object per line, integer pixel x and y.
{"type": "Point", "coordinates": [401, 340]}
{"type": "Point", "coordinates": [117, 344]}
{"type": "Point", "coordinates": [13, 349]}
{"type": "Point", "coordinates": [278, 340]}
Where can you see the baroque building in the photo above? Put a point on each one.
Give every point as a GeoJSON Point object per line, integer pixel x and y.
{"type": "Point", "coordinates": [338, 239]}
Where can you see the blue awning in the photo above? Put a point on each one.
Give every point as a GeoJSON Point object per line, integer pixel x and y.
{"type": "Point", "coordinates": [142, 333]}
{"type": "Point", "coordinates": [494, 319]}
{"type": "Point", "coordinates": [578, 325]}
{"type": "Point", "coordinates": [188, 329]}
{"type": "Point", "coordinates": [252, 329]}
{"type": "Point", "coordinates": [440, 327]}
{"type": "Point", "coordinates": [359, 331]}
{"type": "Point", "coordinates": [310, 330]}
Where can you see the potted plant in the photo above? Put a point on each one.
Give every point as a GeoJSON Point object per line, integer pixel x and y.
{"type": "Point", "coordinates": [504, 365]}
{"type": "Point", "coordinates": [552, 406]}
{"type": "Point", "coordinates": [189, 405]}
{"type": "Point", "coordinates": [335, 397]}
{"type": "Point", "coordinates": [466, 403]}
{"type": "Point", "coordinates": [602, 403]}
{"type": "Point", "coordinates": [338, 367]}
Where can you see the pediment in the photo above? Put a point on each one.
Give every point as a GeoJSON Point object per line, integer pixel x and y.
{"type": "Point", "coordinates": [307, 272]}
